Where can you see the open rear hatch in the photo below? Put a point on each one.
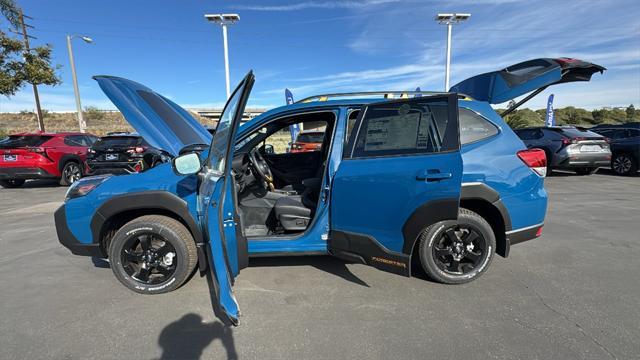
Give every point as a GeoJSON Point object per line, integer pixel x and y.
{"type": "Point", "coordinates": [529, 76]}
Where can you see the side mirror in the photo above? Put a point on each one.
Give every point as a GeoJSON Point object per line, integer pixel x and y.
{"type": "Point", "coordinates": [187, 164]}
{"type": "Point", "coordinates": [267, 149]}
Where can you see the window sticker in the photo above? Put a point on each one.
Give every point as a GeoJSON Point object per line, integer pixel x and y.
{"type": "Point", "coordinates": [392, 132]}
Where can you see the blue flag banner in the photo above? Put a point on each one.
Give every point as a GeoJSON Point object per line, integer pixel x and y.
{"type": "Point", "coordinates": [295, 128]}
{"type": "Point", "coordinates": [550, 118]}
{"type": "Point", "coordinates": [418, 89]}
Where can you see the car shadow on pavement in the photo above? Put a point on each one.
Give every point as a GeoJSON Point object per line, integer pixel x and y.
{"type": "Point", "coordinates": [327, 264]}
{"type": "Point", "coordinates": [187, 338]}
{"type": "Point", "coordinates": [100, 263]}
{"type": "Point", "coordinates": [32, 184]}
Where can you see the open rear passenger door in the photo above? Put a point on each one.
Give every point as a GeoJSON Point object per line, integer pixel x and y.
{"type": "Point", "coordinates": [401, 172]}
{"type": "Point", "coordinates": [227, 248]}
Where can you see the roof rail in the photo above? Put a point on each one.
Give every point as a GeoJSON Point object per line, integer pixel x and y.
{"type": "Point", "coordinates": [387, 94]}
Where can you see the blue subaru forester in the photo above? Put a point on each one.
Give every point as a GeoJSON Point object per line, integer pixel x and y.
{"type": "Point", "coordinates": [386, 186]}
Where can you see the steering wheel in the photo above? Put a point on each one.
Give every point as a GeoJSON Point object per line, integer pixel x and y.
{"type": "Point", "coordinates": [261, 168]}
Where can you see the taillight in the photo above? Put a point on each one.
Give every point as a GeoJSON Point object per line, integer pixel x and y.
{"type": "Point", "coordinates": [38, 150]}
{"type": "Point", "coordinates": [535, 159]}
{"type": "Point", "coordinates": [136, 150]}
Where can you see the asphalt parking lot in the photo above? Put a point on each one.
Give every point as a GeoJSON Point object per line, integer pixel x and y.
{"type": "Point", "coordinates": [572, 294]}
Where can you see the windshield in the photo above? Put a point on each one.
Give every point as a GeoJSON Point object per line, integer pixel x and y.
{"type": "Point", "coordinates": [222, 136]}
{"type": "Point", "coordinates": [20, 141]}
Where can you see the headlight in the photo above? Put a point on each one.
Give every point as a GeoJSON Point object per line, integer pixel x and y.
{"type": "Point", "coordinates": [84, 186]}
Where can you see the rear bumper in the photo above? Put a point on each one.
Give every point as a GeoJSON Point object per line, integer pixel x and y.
{"type": "Point", "coordinates": [518, 236]}
{"type": "Point", "coordinates": [66, 238]}
{"type": "Point", "coordinates": [25, 173]}
{"type": "Point", "coordinates": [586, 160]}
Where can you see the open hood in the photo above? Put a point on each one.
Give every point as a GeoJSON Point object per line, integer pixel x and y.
{"type": "Point", "coordinates": [534, 75]}
{"type": "Point", "coordinates": [160, 121]}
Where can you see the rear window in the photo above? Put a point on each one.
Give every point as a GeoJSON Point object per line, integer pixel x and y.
{"type": "Point", "coordinates": [19, 141]}
{"type": "Point", "coordinates": [310, 137]}
{"type": "Point", "coordinates": [474, 127]}
{"type": "Point", "coordinates": [119, 141]}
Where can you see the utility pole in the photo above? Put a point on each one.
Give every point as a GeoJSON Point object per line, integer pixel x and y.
{"type": "Point", "coordinates": [26, 52]}
{"type": "Point", "coordinates": [224, 20]}
{"type": "Point", "coordinates": [449, 20]}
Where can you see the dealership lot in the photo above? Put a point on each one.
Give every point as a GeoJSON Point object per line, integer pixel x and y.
{"type": "Point", "coordinates": [571, 294]}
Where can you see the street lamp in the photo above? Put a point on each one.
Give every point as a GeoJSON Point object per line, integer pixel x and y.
{"type": "Point", "coordinates": [224, 20]}
{"type": "Point", "coordinates": [449, 20]}
{"type": "Point", "coordinates": [88, 40]}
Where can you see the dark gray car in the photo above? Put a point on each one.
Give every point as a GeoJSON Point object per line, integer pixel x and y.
{"type": "Point", "coordinates": [568, 147]}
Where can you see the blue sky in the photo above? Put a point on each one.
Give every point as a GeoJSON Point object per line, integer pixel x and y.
{"type": "Point", "coordinates": [327, 46]}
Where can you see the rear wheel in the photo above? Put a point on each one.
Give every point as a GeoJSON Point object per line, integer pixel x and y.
{"type": "Point", "coordinates": [457, 251]}
{"type": "Point", "coordinates": [153, 254]}
{"type": "Point", "coordinates": [623, 164]}
{"type": "Point", "coordinates": [585, 170]}
{"type": "Point", "coordinates": [71, 172]}
{"type": "Point", "coordinates": [13, 183]}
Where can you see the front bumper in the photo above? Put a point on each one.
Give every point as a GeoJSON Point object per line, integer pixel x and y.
{"type": "Point", "coordinates": [24, 173]}
{"type": "Point", "coordinates": [69, 241]}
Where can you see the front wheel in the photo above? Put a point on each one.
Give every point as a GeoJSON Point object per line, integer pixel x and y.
{"type": "Point", "coordinates": [153, 254]}
{"type": "Point", "coordinates": [457, 251]}
{"type": "Point", "coordinates": [11, 184]}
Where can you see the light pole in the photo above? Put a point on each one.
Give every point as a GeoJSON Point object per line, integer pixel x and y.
{"type": "Point", "coordinates": [224, 20]}
{"type": "Point", "coordinates": [449, 20]}
{"type": "Point", "coordinates": [89, 40]}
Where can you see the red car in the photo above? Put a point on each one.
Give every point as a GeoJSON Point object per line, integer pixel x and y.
{"type": "Point", "coordinates": [43, 155]}
{"type": "Point", "coordinates": [307, 141]}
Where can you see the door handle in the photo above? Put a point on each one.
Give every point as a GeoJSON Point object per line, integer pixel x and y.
{"type": "Point", "coordinates": [433, 175]}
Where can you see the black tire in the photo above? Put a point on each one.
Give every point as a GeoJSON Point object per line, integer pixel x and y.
{"type": "Point", "coordinates": [150, 271]}
{"type": "Point", "coordinates": [624, 164]}
{"type": "Point", "coordinates": [438, 260]}
{"type": "Point", "coordinates": [12, 184]}
{"type": "Point", "coordinates": [585, 170]}
{"type": "Point", "coordinates": [71, 172]}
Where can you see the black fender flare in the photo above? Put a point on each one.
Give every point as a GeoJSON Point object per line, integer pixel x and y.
{"type": "Point", "coordinates": [148, 200]}
{"type": "Point", "coordinates": [447, 209]}
{"type": "Point", "coordinates": [432, 211]}
{"type": "Point", "coordinates": [482, 191]}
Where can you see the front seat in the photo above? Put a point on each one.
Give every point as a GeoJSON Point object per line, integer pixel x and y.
{"type": "Point", "coordinates": [295, 212]}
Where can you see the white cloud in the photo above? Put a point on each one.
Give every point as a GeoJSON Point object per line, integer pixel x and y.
{"type": "Point", "coordinates": [316, 5]}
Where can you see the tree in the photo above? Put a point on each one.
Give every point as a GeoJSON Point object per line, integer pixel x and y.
{"type": "Point", "coordinates": [631, 112]}
{"type": "Point", "coordinates": [21, 64]}
{"type": "Point", "coordinates": [10, 11]}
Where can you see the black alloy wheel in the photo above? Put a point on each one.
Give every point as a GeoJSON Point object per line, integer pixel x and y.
{"type": "Point", "coordinates": [623, 164]}
{"type": "Point", "coordinates": [457, 251]}
{"type": "Point", "coordinates": [153, 254]}
{"type": "Point", "coordinates": [148, 258]}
